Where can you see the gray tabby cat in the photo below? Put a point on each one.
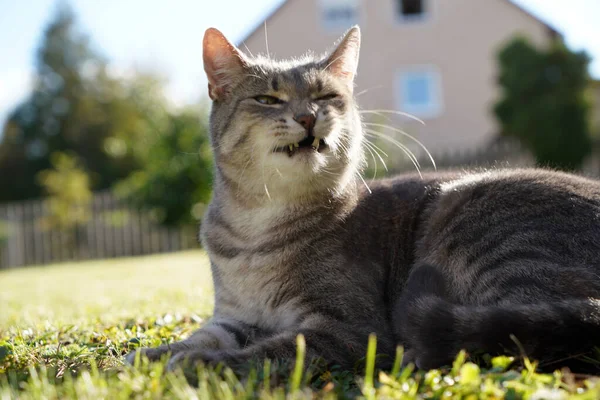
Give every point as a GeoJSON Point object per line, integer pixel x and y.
{"type": "Point", "coordinates": [437, 264]}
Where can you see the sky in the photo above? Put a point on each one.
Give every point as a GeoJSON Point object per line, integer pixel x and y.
{"type": "Point", "coordinates": [167, 35]}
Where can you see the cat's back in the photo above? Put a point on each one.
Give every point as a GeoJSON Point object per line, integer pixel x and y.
{"type": "Point", "coordinates": [523, 192]}
{"type": "Point", "coordinates": [538, 224]}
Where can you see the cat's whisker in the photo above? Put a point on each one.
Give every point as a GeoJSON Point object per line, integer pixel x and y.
{"type": "Point", "coordinates": [370, 145]}
{"type": "Point", "coordinates": [402, 147]}
{"type": "Point", "coordinates": [251, 159]}
{"type": "Point", "coordinates": [367, 90]}
{"type": "Point", "coordinates": [383, 112]}
{"type": "Point", "coordinates": [264, 180]}
{"type": "Point", "coordinates": [330, 172]}
{"type": "Point", "coordinates": [376, 150]}
{"type": "Point", "coordinates": [267, 41]}
{"type": "Point", "coordinates": [343, 146]}
{"type": "Point", "coordinates": [363, 181]}
{"type": "Point", "coordinates": [244, 170]}
{"type": "Point", "coordinates": [248, 50]}
{"type": "Point", "coordinates": [377, 147]}
{"type": "Point", "coordinates": [400, 131]}
{"type": "Point", "coordinates": [374, 162]}
{"type": "Point", "coordinates": [332, 62]}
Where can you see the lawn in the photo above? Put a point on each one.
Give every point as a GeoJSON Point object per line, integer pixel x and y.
{"type": "Point", "coordinates": [64, 329]}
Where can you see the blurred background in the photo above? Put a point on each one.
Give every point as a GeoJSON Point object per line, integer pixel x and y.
{"type": "Point", "coordinates": [103, 110]}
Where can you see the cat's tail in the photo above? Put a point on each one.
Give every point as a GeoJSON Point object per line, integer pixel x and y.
{"type": "Point", "coordinates": [555, 333]}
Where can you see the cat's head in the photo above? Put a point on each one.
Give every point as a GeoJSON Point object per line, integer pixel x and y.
{"type": "Point", "coordinates": [284, 129]}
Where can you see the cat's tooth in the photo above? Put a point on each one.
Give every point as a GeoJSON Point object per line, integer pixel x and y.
{"type": "Point", "coordinates": [291, 146]}
{"type": "Point", "coordinates": [296, 145]}
{"type": "Point", "coordinates": [315, 144]}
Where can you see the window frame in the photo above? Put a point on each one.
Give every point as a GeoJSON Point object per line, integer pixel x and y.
{"type": "Point", "coordinates": [406, 19]}
{"type": "Point", "coordinates": [435, 105]}
{"type": "Point", "coordinates": [332, 26]}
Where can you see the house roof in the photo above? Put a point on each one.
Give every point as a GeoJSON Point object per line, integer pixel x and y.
{"type": "Point", "coordinates": [553, 31]}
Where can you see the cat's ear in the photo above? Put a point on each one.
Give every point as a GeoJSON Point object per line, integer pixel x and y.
{"type": "Point", "coordinates": [223, 63]}
{"type": "Point", "coordinates": [343, 61]}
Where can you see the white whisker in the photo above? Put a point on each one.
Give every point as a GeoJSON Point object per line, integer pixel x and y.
{"type": "Point", "coordinates": [402, 147]}
{"type": "Point", "coordinates": [374, 148]}
{"type": "Point", "coordinates": [367, 90]}
{"type": "Point", "coordinates": [332, 61]}
{"type": "Point", "coordinates": [407, 135]}
{"type": "Point", "coordinates": [248, 50]}
{"type": "Point", "coordinates": [363, 181]}
{"type": "Point", "coordinates": [267, 41]}
{"type": "Point", "coordinates": [251, 159]}
{"type": "Point", "coordinates": [374, 162]}
{"type": "Point", "coordinates": [381, 112]}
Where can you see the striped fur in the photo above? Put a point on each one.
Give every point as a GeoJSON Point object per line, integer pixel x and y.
{"type": "Point", "coordinates": [436, 263]}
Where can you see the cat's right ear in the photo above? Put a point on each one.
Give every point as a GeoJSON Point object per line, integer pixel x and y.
{"type": "Point", "coordinates": [343, 61]}
{"type": "Point", "coordinates": [223, 63]}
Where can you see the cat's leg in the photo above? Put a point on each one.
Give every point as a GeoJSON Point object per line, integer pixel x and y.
{"type": "Point", "coordinates": [426, 285]}
{"type": "Point", "coordinates": [326, 340]}
{"type": "Point", "coordinates": [218, 334]}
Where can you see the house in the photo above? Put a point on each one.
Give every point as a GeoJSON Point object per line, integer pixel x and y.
{"type": "Point", "coordinates": [434, 59]}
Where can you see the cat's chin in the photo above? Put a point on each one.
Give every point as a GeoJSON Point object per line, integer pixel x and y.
{"type": "Point", "coordinates": [308, 161]}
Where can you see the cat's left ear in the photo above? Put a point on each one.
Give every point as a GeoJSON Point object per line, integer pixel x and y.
{"type": "Point", "coordinates": [224, 64]}
{"type": "Point", "coordinates": [343, 61]}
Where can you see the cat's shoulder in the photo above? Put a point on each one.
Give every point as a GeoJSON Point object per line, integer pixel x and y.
{"type": "Point", "coordinates": [490, 179]}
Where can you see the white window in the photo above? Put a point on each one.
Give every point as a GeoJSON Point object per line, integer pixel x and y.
{"type": "Point", "coordinates": [411, 10]}
{"type": "Point", "coordinates": [339, 14]}
{"type": "Point", "coordinates": [419, 91]}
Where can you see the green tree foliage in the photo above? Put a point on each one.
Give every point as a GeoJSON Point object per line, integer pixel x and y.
{"type": "Point", "coordinates": [69, 194]}
{"type": "Point", "coordinates": [119, 129]}
{"type": "Point", "coordinates": [75, 106]}
{"type": "Point", "coordinates": [174, 182]}
{"type": "Point", "coordinates": [544, 103]}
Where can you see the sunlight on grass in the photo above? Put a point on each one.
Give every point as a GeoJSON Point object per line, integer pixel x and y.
{"type": "Point", "coordinates": [107, 290]}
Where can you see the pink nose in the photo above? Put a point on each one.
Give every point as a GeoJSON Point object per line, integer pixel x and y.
{"type": "Point", "coordinates": [306, 120]}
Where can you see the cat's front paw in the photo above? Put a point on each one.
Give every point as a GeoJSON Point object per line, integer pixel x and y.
{"type": "Point", "coordinates": [151, 353]}
{"type": "Point", "coordinates": [193, 358]}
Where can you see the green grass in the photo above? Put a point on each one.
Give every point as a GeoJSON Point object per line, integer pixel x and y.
{"type": "Point", "coordinates": [64, 329]}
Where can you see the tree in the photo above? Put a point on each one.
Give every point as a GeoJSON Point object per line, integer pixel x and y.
{"type": "Point", "coordinates": [68, 187]}
{"type": "Point", "coordinates": [69, 196]}
{"type": "Point", "coordinates": [174, 182]}
{"type": "Point", "coordinates": [543, 102]}
{"type": "Point", "coordinates": [75, 106]}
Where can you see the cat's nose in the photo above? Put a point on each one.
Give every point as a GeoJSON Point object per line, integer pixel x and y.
{"type": "Point", "coordinates": [306, 120]}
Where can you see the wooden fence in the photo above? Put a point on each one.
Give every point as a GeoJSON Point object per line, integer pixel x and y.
{"type": "Point", "coordinates": [113, 230]}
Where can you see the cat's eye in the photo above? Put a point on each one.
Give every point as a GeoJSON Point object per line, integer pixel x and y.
{"type": "Point", "coordinates": [268, 100]}
{"type": "Point", "coordinates": [329, 96]}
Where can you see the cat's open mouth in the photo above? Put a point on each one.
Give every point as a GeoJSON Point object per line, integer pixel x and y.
{"type": "Point", "coordinates": [309, 143]}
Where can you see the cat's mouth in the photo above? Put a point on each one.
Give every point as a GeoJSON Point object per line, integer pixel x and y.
{"type": "Point", "coordinates": [309, 143]}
